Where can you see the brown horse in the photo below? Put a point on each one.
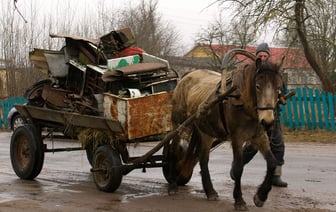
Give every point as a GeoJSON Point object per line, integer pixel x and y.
{"type": "Point", "coordinates": [239, 119]}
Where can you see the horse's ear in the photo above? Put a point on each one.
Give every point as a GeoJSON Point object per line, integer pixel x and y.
{"type": "Point", "coordinates": [258, 63]}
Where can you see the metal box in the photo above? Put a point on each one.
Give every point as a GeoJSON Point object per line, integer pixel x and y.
{"type": "Point", "coordinates": [140, 117]}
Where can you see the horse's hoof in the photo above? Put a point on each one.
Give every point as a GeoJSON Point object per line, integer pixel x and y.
{"type": "Point", "coordinates": [172, 189]}
{"type": "Point", "coordinates": [213, 196]}
{"type": "Point", "coordinates": [241, 206]}
{"type": "Point", "coordinates": [257, 201]}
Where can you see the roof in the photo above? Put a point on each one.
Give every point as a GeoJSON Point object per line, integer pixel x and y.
{"type": "Point", "coordinates": [294, 57]}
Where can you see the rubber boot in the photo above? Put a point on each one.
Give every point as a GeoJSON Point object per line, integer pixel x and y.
{"type": "Point", "coordinates": [277, 181]}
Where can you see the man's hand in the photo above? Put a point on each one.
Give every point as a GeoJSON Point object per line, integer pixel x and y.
{"type": "Point", "coordinates": [282, 99]}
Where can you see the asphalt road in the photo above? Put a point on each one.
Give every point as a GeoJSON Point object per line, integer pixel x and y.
{"type": "Point", "coordinates": [66, 184]}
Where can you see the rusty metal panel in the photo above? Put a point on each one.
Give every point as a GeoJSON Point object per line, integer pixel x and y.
{"type": "Point", "coordinates": [55, 96]}
{"type": "Point", "coordinates": [142, 116]}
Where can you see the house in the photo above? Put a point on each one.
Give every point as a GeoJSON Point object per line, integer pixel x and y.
{"type": "Point", "coordinates": [297, 71]}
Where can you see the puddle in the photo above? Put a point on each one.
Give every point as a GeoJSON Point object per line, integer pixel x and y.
{"type": "Point", "coordinates": [127, 197]}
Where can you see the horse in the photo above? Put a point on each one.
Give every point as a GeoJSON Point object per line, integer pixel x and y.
{"type": "Point", "coordinates": [242, 117]}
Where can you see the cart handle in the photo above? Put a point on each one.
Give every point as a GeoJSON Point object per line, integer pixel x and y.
{"type": "Point", "coordinates": [170, 135]}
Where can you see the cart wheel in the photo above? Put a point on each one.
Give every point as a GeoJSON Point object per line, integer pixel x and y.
{"type": "Point", "coordinates": [167, 164]}
{"type": "Point", "coordinates": [107, 170]}
{"type": "Point", "coordinates": [26, 152]}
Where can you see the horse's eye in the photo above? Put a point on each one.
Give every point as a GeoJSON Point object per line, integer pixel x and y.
{"type": "Point", "coordinates": [257, 86]}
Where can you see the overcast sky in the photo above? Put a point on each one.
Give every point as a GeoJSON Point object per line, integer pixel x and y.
{"type": "Point", "coordinates": [187, 16]}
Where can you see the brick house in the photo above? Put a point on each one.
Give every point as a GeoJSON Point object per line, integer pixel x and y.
{"type": "Point", "coordinates": [297, 71]}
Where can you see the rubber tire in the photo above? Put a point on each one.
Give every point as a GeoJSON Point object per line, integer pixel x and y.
{"type": "Point", "coordinates": [17, 121]}
{"type": "Point", "coordinates": [27, 152]}
{"type": "Point", "coordinates": [105, 157]}
{"type": "Point", "coordinates": [36, 89]}
{"type": "Point", "coordinates": [165, 167]}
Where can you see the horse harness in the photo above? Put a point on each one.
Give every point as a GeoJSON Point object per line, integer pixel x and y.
{"type": "Point", "coordinates": [229, 83]}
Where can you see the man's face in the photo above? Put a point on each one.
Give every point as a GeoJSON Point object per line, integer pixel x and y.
{"type": "Point", "coordinates": [262, 55]}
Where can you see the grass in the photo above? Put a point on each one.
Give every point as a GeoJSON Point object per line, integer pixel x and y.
{"type": "Point", "coordinates": [309, 136]}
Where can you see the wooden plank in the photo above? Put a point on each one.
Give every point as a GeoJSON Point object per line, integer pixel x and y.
{"type": "Point", "coordinates": [312, 108]}
{"type": "Point", "coordinates": [300, 105]}
{"type": "Point", "coordinates": [306, 108]}
{"type": "Point", "coordinates": [331, 112]}
{"type": "Point", "coordinates": [325, 110]}
{"type": "Point", "coordinates": [295, 111]}
{"type": "Point", "coordinates": [319, 109]}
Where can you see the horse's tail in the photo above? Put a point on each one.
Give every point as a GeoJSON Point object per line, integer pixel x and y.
{"type": "Point", "coordinates": [190, 158]}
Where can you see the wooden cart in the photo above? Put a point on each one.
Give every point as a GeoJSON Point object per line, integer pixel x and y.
{"type": "Point", "coordinates": [105, 109]}
{"type": "Point", "coordinates": [142, 119]}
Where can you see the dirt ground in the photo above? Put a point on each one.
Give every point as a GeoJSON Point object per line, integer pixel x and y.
{"type": "Point", "coordinates": [66, 184]}
{"type": "Point", "coordinates": [309, 136]}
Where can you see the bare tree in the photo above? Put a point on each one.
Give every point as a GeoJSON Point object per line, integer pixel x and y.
{"type": "Point", "coordinates": [303, 16]}
{"type": "Point", "coordinates": [11, 37]}
{"type": "Point", "coordinates": [220, 34]}
{"type": "Point", "coordinates": [20, 34]}
{"type": "Point", "coordinates": [151, 32]}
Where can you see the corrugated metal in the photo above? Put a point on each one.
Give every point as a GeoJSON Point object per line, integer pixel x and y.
{"type": "Point", "coordinates": [142, 116]}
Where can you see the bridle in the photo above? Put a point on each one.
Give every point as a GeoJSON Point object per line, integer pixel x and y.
{"type": "Point", "coordinates": [259, 71]}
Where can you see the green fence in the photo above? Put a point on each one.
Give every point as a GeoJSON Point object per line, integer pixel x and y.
{"type": "Point", "coordinates": [5, 107]}
{"type": "Point", "coordinates": [310, 109]}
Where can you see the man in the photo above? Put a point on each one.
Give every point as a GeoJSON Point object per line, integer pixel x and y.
{"type": "Point", "coordinates": [274, 133]}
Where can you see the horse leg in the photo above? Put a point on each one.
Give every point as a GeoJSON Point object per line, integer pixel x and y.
{"type": "Point", "coordinates": [261, 196]}
{"type": "Point", "coordinates": [209, 190]}
{"type": "Point", "coordinates": [237, 171]}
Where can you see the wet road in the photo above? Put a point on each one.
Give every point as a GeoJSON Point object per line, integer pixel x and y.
{"type": "Point", "coordinates": [65, 183]}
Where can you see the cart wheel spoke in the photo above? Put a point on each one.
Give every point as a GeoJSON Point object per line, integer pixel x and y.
{"type": "Point", "coordinates": [26, 152]}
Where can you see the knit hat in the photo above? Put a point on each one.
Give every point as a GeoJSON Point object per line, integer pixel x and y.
{"type": "Point", "coordinates": [263, 47]}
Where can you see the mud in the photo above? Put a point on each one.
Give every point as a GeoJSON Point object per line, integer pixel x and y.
{"type": "Point", "coordinates": [66, 184]}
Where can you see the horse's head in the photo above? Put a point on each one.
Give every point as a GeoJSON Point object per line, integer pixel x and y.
{"type": "Point", "coordinates": [268, 83]}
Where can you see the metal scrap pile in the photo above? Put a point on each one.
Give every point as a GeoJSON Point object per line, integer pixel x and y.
{"type": "Point", "coordinates": [84, 69]}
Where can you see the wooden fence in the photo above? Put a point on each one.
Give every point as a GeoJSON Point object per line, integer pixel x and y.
{"type": "Point", "coordinates": [5, 107]}
{"type": "Point", "coordinates": [310, 109]}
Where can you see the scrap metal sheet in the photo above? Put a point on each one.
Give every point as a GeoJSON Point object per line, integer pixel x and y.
{"type": "Point", "coordinates": [140, 117]}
